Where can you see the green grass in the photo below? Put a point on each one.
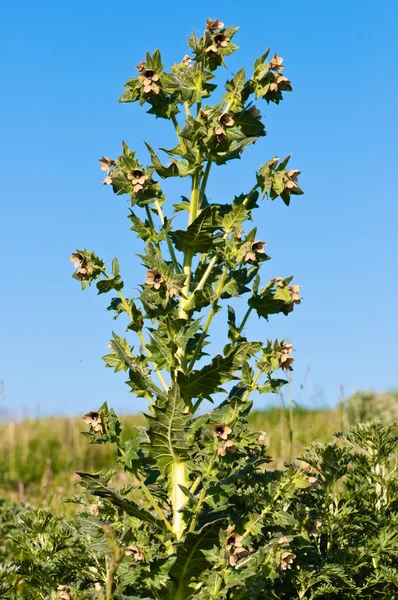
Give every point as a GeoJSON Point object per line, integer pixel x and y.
{"type": "Point", "coordinates": [39, 458]}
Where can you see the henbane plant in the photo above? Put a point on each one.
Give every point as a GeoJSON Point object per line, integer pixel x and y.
{"type": "Point", "coordinates": [201, 515]}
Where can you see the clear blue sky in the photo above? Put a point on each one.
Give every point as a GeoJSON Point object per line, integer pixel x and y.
{"type": "Point", "coordinates": [62, 69]}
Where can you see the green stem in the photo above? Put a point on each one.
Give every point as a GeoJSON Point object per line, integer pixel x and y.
{"type": "Point", "coordinates": [153, 503]}
{"type": "Point", "coordinates": [149, 354]}
{"type": "Point", "coordinates": [152, 227]}
{"type": "Point", "coordinates": [253, 385]}
{"type": "Point", "coordinates": [110, 574]}
{"type": "Point", "coordinates": [245, 320]}
{"type": "Point", "coordinates": [208, 320]}
{"type": "Point", "coordinates": [169, 244]}
{"type": "Point", "coordinates": [291, 424]}
{"type": "Point", "coordinates": [217, 587]}
{"type": "Point", "coordinates": [202, 495]}
{"type": "Point", "coordinates": [266, 510]}
{"type": "Point", "coordinates": [206, 274]}
{"type": "Point", "coordinates": [178, 498]}
{"type": "Point", "coordinates": [204, 181]}
{"type": "Point", "coordinates": [178, 131]}
{"type": "Point", "coordinates": [193, 210]}
{"type": "Point", "coordinates": [213, 261]}
{"type": "Point", "coordinates": [194, 203]}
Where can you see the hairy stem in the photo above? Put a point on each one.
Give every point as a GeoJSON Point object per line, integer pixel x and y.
{"type": "Point", "coordinates": [169, 244]}
{"type": "Point", "coordinates": [153, 503]}
{"type": "Point", "coordinates": [178, 498]}
{"type": "Point", "coordinates": [204, 181]}
{"type": "Point", "coordinates": [202, 496]}
{"type": "Point", "coordinates": [178, 131]}
{"type": "Point", "coordinates": [209, 319]}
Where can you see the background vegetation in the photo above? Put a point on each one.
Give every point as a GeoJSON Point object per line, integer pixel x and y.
{"type": "Point", "coordinates": [39, 457]}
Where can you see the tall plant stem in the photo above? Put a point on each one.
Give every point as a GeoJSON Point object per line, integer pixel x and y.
{"type": "Point", "coordinates": [291, 423]}
{"type": "Point", "coordinates": [193, 210]}
{"type": "Point", "coordinates": [213, 261]}
{"type": "Point", "coordinates": [178, 497]}
{"type": "Point", "coordinates": [209, 319]}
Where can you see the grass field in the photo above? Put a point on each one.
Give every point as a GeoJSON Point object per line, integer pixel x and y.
{"type": "Point", "coordinates": [39, 458]}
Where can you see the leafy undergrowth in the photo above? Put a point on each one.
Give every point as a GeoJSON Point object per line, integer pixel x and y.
{"type": "Point", "coordinates": [325, 530]}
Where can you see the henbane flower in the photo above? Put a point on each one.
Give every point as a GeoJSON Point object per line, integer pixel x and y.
{"type": "Point", "coordinates": [149, 79]}
{"type": "Point", "coordinates": [154, 278]}
{"type": "Point", "coordinates": [256, 247]}
{"type": "Point", "coordinates": [214, 24]}
{"type": "Point", "coordinates": [106, 163]}
{"type": "Point", "coordinates": [94, 420]}
{"type": "Point", "coordinates": [138, 179]}
{"type": "Point", "coordinates": [286, 560]}
{"type": "Point", "coordinates": [276, 63]}
{"type": "Point", "coordinates": [222, 431]}
{"type": "Point", "coordinates": [219, 41]}
{"type": "Point", "coordinates": [77, 259]}
{"type": "Point", "coordinates": [286, 360]}
{"type": "Point", "coordinates": [135, 553]}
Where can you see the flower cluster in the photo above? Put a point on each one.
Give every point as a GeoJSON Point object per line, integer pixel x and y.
{"type": "Point", "coordinates": [222, 431]}
{"type": "Point", "coordinates": [286, 360]}
{"type": "Point", "coordinates": [234, 546]}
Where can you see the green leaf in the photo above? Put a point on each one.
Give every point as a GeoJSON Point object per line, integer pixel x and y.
{"type": "Point", "coordinates": [161, 170]}
{"type": "Point", "coordinates": [233, 95]}
{"type": "Point", "coordinates": [97, 487]}
{"type": "Point", "coordinates": [142, 385]}
{"type": "Point", "coordinates": [207, 381]}
{"type": "Point", "coordinates": [192, 84]}
{"type": "Point", "coordinates": [121, 357]}
{"type": "Point", "coordinates": [234, 218]}
{"type": "Point", "coordinates": [166, 431]}
{"type": "Point", "coordinates": [198, 237]}
{"type": "Point", "coordinates": [106, 285]}
{"type": "Point", "coordinates": [267, 304]}
{"type": "Point", "coordinates": [272, 386]}
{"type": "Point", "coordinates": [191, 560]}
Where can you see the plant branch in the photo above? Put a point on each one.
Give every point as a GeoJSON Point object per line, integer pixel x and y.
{"type": "Point", "coordinates": [204, 181]}
{"type": "Point", "coordinates": [178, 131]}
{"type": "Point", "coordinates": [202, 496]}
{"type": "Point", "coordinates": [141, 336]}
{"type": "Point", "coordinates": [169, 244]}
{"type": "Point", "coordinates": [209, 319]}
{"type": "Point", "coordinates": [153, 503]}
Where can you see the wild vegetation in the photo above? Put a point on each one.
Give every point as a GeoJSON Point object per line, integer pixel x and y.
{"type": "Point", "coordinates": [199, 512]}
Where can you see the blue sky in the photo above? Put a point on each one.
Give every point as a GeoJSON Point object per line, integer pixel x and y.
{"type": "Point", "coordinates": [63, 66]}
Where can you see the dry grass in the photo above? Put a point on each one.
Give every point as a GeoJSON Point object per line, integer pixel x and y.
{"type": "Point", "coordinates": [39, 458]}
